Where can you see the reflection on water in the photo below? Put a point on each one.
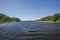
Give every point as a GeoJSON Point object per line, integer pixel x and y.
{"type": "Point", "coordinates": [29, 31]}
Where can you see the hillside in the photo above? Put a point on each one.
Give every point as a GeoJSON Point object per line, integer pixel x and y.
{"type": "Point", "coordinates": [54, 18]}
{"type": "Point", "coordinates": [5, 18]}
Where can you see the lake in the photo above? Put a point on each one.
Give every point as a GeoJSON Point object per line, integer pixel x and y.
{"type": "Point", "coordinates": [30, 31]}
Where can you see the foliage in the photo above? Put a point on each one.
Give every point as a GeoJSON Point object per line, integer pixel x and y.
{"type": "Point", "coordinates": [5, 18]}
{"type": "Point", "coordinates": [55, 17]}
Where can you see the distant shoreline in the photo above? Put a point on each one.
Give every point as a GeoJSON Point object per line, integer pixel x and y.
{"type": "Point", "coordinates": [33, 21]}
{"type": "Point", "coordinates": [47, 21]}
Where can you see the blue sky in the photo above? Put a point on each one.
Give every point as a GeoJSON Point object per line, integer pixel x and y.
{"type": "Point", "coordinates": [29, 9]}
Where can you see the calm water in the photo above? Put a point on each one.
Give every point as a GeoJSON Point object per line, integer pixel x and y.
{"type": "Point", "coordinates": [29, 31]}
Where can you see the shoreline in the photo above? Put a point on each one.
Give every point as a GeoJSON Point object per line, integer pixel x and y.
{"type": "Point", "coordinates": [34, 21]}
{"type": "Point", "coordinates": [47, 21]}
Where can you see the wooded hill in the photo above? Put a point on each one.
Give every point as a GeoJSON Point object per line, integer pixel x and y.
{"type": "Point", "coordinates": [5, 18]}
{"type": "Point", "coordinates": [54, 18]}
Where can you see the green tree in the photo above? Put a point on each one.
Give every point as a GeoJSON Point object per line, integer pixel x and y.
{"type": "Point", "coordinates": [5, 18]}
{"type": "Point", "coordinates": [56, 17]}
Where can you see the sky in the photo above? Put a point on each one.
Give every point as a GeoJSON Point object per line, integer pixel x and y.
{"type": "Point", "coordinates": [29, 9]}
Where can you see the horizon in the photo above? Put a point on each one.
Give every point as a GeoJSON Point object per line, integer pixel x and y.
{"type": "Point", "coordinates": [29, 9]}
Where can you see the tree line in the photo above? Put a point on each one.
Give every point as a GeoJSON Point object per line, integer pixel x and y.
{"type": "Point", "coordinates": [54, 18]}
{"type": "Point", "coordinates": [5, 18]}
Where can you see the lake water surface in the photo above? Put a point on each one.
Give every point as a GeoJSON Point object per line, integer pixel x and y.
{"type": "Point", "coordinates": [30, 31]}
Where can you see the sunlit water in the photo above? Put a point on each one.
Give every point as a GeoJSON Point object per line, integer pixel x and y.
{"type": "Point", "coordinates": [29, 31]}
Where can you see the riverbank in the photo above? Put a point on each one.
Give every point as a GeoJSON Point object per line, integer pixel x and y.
{"type": "Point", "coordinates": [48, 21]}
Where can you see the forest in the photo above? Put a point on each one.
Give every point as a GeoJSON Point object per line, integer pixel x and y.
{"type": "Point", "coordinates": [53, 18]}
{"type": "Point", "coordinates": [5, 18]}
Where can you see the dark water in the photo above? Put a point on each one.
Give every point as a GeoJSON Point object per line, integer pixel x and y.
{"type": "Point", "coordinates": [29, 31]}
